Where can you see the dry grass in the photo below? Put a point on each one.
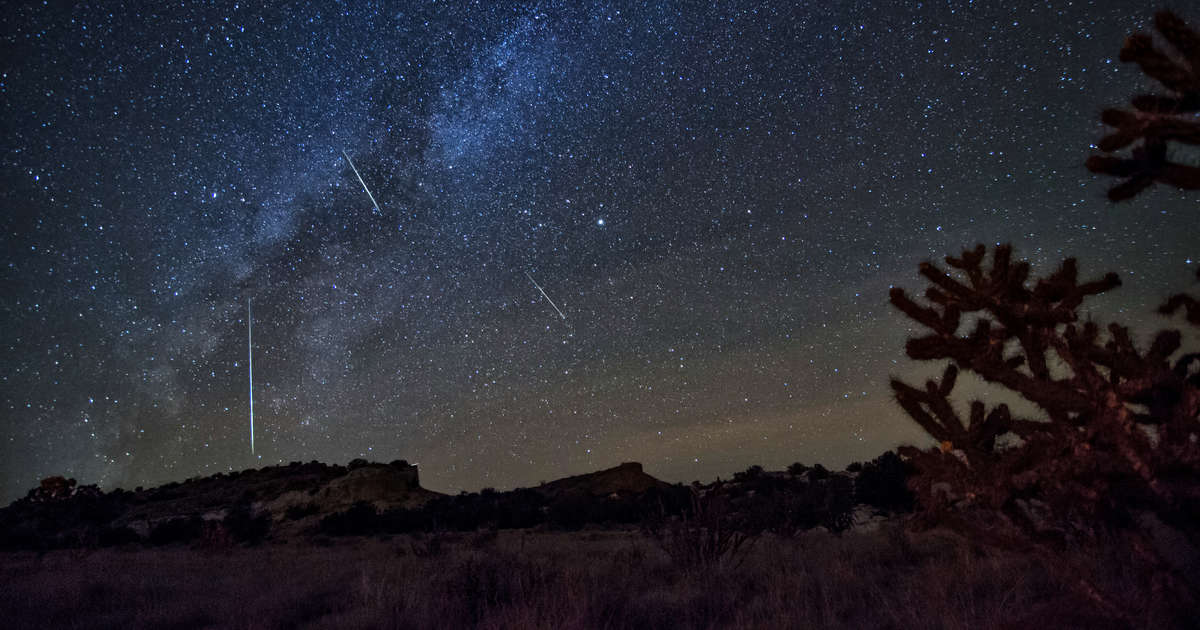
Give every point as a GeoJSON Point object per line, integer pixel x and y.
{"type": "Point", "coordinates": [537, 580]}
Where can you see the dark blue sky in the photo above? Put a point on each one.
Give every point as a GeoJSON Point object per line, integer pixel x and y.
{"type": "Point", "coordinates": [717, 199]}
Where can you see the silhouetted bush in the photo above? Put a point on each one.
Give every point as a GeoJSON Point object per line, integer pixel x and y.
{"type": "Point", "coordinates": [797, 469]}
{"type": "Point", "coordinates": [883, 484]}
{"type": "Point", "coordinates": [520, 508]}
{"type": "Point", "coordinates": [818, 473]}
{"type": "Point", "coordinates": [572, 511]}
{"type": "Point", "coordinates": [297, 512]}
{"type": "Point", "coordinates": [115, 536]}
{"type": "Point", "coordinates": [401, 520]}
{"type": "Point", "coordinates": [245, 526]}
{"type": "Point", "coordinates": [838, 508]}
{"type": "Point", "coordinates": [750, 474]}
{"type": "Point", "coordinates": [16, 535]}
{"type": "Point", "coordinates": [361, 519]}
{"type": "Point", "coordinates": [706, 537]}
{"type": "Point", "coordinates": [176, 530]}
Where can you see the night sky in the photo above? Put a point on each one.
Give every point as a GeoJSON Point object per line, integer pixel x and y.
{"type": "Point", "coordinates": [716, 198]}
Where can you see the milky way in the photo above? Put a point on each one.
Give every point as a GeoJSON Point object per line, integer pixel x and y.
{"type": "Point", "coordinates": [716, 199]}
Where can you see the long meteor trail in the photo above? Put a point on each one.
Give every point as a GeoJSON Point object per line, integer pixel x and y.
{"type": "Point", "coordinates": [360, 180]}
{"type": "Point", "coordinates": [250, 351]}
{"type": "Point", "coordinates": [543, 292]}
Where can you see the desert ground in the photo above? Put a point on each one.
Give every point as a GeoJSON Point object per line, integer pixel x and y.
{"type": "Point", "coordinates": [884, 578]}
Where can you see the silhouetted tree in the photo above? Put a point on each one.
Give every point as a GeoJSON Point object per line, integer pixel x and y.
{"type": "Point", "coordinates": [818, 473]}
{"type": "Point", "coordinates": [883, 483]}
{"type": "Point", "coordinates": [750, 474]}
{"type": "Point", "coordinates": [52, 489]}
{"type": "Point", "coordinates": [1156, 120]}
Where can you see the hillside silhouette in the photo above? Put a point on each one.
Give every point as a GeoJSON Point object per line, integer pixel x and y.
{"type": "Point", "coordinates": [300, 501]}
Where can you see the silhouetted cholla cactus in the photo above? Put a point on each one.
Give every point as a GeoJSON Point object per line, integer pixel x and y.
{"type": "Point", "coordinates": [1119, 442]}
{"type": "Point", "coordinates": [1156, 120]}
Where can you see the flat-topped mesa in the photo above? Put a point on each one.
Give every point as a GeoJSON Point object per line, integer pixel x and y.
{"type": "Point", "coordinates": [409, 472]}
{"type": "Point", "coordinates": [400, 471]}
{"type": "Point", "coordinates": [623, 479]}
{"type": "Point", "coordinates": [385, 486]}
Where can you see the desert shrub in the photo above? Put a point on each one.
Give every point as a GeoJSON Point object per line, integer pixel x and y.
{"type": "Point", "coordinates": [214, 536]}
{"type": "Point", "coordinates": [116, 536]}
{"type": "Point", "coordinates": [838, 509]}
{"type": "Point", "coordinates": [707, 536]}
{"type": "Point", "coordinates": [93, 508]}
{"type": "Point", "coordinates": [883, 484]}
{"type": "Point", "coordinates": [484, 539]}
{"type": "Point", "coordinates": [361, 519]}
{"type": "Point", "coordinates": [818, 473]}
{"type": "Point", "coordinates": [797, 469]}
{"type": "Point", "coordinates": [16, 535]}
{"type": "Point", "coordinates": [299, 511]}
{"type": "Point", "coordinates": [430, 545]}
{"type": "Point", "coordinates": [59, 514]}
{"type": "Point", "coordinates": [470, 511]}
{"type": "Point", "coordinates": [245, 526]}
{"type": "Point", "coordinates": [572, 511]}
{"type": "Point", "coordinates": [750, 474]}
{"type": "Point", "coordinates": [786, 507]}
{"type": "Point", "coordinates": [401, 520]}
{"type": "Point", "coordinates": [176, 530]}
{"type": "Point", "coordinates": [520, 508]}
{"type": "Point", "coordinates": [463, 512]}
{"type": "Point", "coordinates": [657, 503]}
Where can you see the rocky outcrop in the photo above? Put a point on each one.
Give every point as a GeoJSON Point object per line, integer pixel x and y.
{"type": "Point", "coordinates": [628, 478]}
{"type": "Point", "coordinates": [383, 485]}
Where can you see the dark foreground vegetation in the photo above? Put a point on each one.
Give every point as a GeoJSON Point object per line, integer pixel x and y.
{"type": "Point", "coordinates": [524, 579]}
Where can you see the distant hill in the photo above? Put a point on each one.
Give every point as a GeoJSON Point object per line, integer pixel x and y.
{"type": "Point", "coordinates": [58, 513]}
{"type": "Point", "coordinates": [626, 479]}
{"type": "Point", "coordinates": [300, 501]}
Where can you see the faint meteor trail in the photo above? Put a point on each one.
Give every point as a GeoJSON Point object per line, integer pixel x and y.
{"type": "Point", "coordinates": [360, 180]}
{"type": "Point", "coordinates": [250, 350]}
{"type": "Point", "coordinates": [543, 292]}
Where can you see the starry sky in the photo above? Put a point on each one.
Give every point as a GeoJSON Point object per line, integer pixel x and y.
{"type": "Point", "coordinates": [714, 198]}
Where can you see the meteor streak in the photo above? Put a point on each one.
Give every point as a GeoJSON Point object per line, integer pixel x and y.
{"type": "Point", "coordinates": [543, 292]}
{"type": "Point", "coordinates": [250, 350]}
{"type": "Point", "coordinates": [360, 180]}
